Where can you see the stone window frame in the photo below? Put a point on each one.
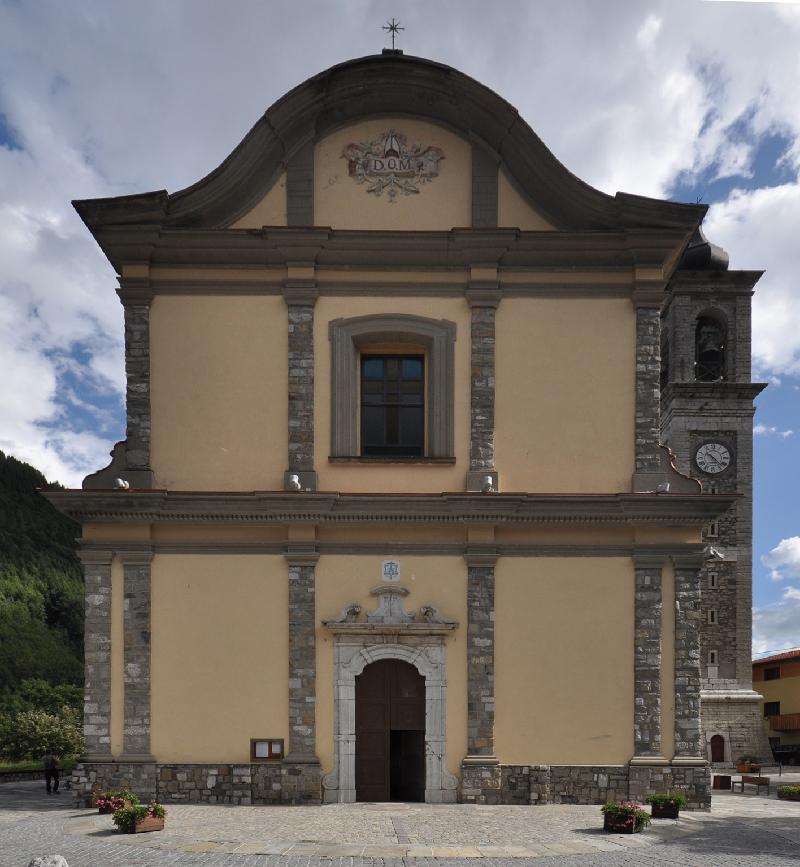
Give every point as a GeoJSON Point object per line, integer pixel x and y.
{"type": "Point", "coordinates": [713, 581]}
{"type": "Point", "coordinates": [713, 657]}
{"type": "Point", "coordinates": [436, 336]}
{"type": "Point", "coordinates": [713, 617]}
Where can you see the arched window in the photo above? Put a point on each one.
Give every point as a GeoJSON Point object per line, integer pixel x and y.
{"type": "Point", "coordinates": [709, 348]}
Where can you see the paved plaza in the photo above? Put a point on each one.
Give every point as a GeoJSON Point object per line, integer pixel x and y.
{"type": "Point", "coordinates": [740, 830]}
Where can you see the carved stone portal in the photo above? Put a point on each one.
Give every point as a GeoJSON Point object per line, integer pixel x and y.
{"type": "Point", "coordinates": [389, 632]}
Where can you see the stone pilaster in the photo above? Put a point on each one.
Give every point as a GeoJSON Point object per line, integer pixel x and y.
{"type": "Point", "coordinates": [687, 658]}
{"type": "Point", "coordinates": [301, 775]}
{"type": "Point", "coordinates": [300, 301]}
{"type": "Point", "coordinates": [136, 679]}
{"type": "Point", "coordinates": [647, 472]}
{"type": "Point", "coordinates": [483, 306]}
{"type": "Point", "coordinates": [137, 371]}
{"type": "Point", "coordinates": [97, 656]}
{"type": "Point", "coordinates": [647, 661]}
{"type": "Point", "coordinates": [481, 775]}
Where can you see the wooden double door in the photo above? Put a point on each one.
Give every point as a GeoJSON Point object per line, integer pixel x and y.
{"type": "Point", "coordinates": [390, 732]}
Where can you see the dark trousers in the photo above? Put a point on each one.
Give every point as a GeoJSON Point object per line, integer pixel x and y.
{"type": "Point", "coordinates": [51, 775]}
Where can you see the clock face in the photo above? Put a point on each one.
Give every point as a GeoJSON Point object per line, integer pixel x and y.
{"type": "Point", "coordinates": [713, 458]}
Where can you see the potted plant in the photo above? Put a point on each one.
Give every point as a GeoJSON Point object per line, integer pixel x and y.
{"type": "Point", "coordinates": [110, 802]}
{"type": "Point", "coordinates": [624, 817]}
{"type": "Point", "coordinates": [789, 793]}
{"type": "Point", "coordinates": [140, 818]}
{"type": "Point", "coordinates": [666, 806]}
{"type": "Point", "coordinates": [747, 764]}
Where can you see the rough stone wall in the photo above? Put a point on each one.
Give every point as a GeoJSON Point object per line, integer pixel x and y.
{"type": "Point", "coordinates": [687, 659]}
{"type": "Point", "coordinates": [648, 390]}
{"type": "Point", "coordinates": [740, 722]}
{"type": "Point", "coordinates": [301, 783]}
{"type": "Point", "coordinates": [481, 451]}
{"type": "Point", "coordinates": [137, 371]}
{"type": "Point", "coordinates": [693, 783]}
{"type": "Point", "coordinates": [140, 777]}
{"type": "Point", "coordinates": [481, 783]}
{"type": "Point", "coordinates": [480, 660]}
{"type": "Point", "coordinates": [136, 677]}
{"type": "Point", "coordinates": [647, 660]}
{"type": "Point", "coordinates": [97, 658]}
{"type": "Point", "coordinates": [301, 387]}
{"type": "Point", "coordinates": [516, 784]}
{"type": "Point", "coordinates": [302, 660]}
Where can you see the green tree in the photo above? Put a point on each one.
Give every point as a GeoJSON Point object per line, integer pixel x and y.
{"type": "Point", "coordinates": [28, 734]}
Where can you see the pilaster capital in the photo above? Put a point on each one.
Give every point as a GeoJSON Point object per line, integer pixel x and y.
{"type": "Point", "coordinates": [692, 560]}
{"type": "Point", "coordinates": [136, 556]}
{"type": "Point", "coordinates": [480, 556]}
{"type": "Point", "coordinates": [135, 291]}
{"type": "Point", "coordinates": [301, 555]}
{"type": "Point", "coordinates": [483, 294]}
{"type": "Point", "coordinates": [96, 557]}
{"type": "Point", "coordinates": [648, 560]}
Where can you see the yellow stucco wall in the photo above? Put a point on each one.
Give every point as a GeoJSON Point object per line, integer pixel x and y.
{"type": "Point", "coordinates": [443, 202]}
{"type": "Point", "coordinates": [220, 655]}
{"type": "Point", "coordinates": [270, 211]}
{"type": "Point", "coordinates": [390, 478]}
{"type": "Point", "coordinates": [437, 581]}
{"type": "Point", "coordinates": [565, 395]}
{"type": "Point", "coordinates": [513, 209]}
{"type": "Point", "coordinates": [786, 690]}
{"type": "Point", "coordinates": [564, 660]}
{"type": "Point", "coordinates": [219, 392]}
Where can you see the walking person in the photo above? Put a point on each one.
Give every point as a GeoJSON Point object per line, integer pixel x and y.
{"type": "Point", "coordinates": [50, 763]}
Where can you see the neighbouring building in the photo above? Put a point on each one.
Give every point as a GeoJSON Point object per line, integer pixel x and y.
{"type": "Point", "coordinates": [777, 679]}
{"type": "Point", "coordinates": [394, 517]}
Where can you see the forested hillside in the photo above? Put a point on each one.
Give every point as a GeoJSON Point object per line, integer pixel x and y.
{"type": "Point", "coordinates": [41, 586]}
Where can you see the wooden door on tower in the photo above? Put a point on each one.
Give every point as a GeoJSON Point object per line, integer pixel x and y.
{"type": "Point", "coordinates": [390, 732]}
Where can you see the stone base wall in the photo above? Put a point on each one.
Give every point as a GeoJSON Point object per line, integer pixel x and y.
{"type": "Point", "coordinates": [481, 784]}
{"type": "Point", "coordinates": [300, 783]}
{"type": "Point", "coordinates": [583, 784]}
{"type": "Point", "coordinates": [739, 721]}
{"type": "Point", "coordinates": [139, 777]}
{"type": "Point", "coordinates": [258, 783]}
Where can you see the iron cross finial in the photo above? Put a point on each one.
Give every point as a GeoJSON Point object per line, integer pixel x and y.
{"type": "Point", "coordinates": [394, 28]}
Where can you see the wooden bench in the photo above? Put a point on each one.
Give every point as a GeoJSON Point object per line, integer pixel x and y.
{"type": "Point", "coordinates": [758, 782]}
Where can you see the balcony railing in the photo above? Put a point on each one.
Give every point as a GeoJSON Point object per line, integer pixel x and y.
{"type": "Point", "coordinates": [785, 722]}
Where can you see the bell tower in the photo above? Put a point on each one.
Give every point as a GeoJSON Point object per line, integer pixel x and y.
{"type": "Point", "coordinates": [707, 420]}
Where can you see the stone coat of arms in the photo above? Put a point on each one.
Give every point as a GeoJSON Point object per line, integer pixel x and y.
{"type": "Point", "coordinates": [388, 164]}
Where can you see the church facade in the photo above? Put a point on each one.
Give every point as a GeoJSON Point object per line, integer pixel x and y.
{"type": "Point", "coordinates": [395, 516]}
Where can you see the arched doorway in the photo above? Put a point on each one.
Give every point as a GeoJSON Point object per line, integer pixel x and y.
{"type": "Point", "coordinates": [717, 744]}
{"type": "Point", "coordinates": [390, 732]}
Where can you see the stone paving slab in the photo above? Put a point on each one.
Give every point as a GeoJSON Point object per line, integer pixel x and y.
{"type": "Point", "coordinates": [740, 831]}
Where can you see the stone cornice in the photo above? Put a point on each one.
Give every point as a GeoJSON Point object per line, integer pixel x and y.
{"type": "Point", "coordinates": [382, 85]}
{"type": "Point", "coordinates": [351, 509]}
{"type": "Point", "coordinates": [280, 247]}
{"type": "Point", "coordinates": [746, 391]}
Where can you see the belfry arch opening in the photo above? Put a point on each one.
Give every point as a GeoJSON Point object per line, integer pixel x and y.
{"type": "Point", "coordinates": [710, 338]}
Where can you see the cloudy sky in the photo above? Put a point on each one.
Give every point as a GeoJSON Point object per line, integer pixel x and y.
{"type": "Point", "coordinates": [683, 99]}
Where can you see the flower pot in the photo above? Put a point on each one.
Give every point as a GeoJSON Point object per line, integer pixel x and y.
{"type": "Point", "coordinates": [668, 810]}
{"type": "Point", "coordinates": [107, 810]}
{"type": "Point", "coordinates": [788, 796]}
{"type": "Point", "coordinates": [747, 767]}
{"type": "Point", "coordinates": [149, 823]}
{"type": "Point", "coordinates": [618, 823]}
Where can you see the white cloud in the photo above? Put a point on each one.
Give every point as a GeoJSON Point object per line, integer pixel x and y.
{"type": "Point", "coordinates": [759, 229]}
{"type": "Point", "coordinates": [770, 430]}
{"type": "Point", "coordinates": [776, 627]}
{"type": "Point", "coordinates": [784, 559]}
{"type": "Point", "coordinates": [106, 99]}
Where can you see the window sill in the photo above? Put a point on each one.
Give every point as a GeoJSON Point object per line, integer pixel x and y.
{"type": "Point", "coordinates": [393, 459]}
